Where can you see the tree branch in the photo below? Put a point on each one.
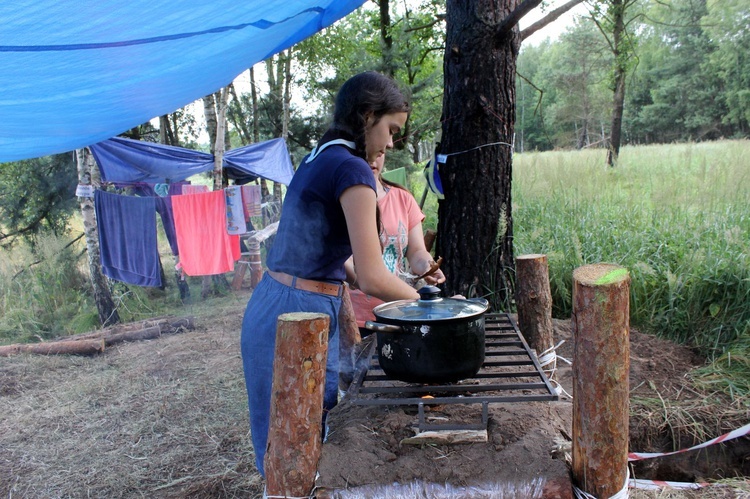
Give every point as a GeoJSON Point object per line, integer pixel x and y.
{"type": "Point", "coordinates": [512, 19]}
{"type": "Point", "coordinates": [549, 18]}
{"type": "Point", "coordinates": [438, 18]}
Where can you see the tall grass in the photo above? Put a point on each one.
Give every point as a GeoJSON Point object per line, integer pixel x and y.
{"type": "Point", "coordinates": [47, 293]}
{"type": "Point", "coordinates": [40, 292]}
{"type": "Point", "coordinates": [677, 216]}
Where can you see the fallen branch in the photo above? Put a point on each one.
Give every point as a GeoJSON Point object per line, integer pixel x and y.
{"type": "Point", "coordinates": [94, 342]}
{"type": "Point", "coordinates": [84, 347]}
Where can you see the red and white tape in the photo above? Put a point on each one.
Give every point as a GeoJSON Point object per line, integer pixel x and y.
{"type": "Point", "coordinates": [638, 483]}
{"type": "Point", "coordinates": [635, 483]}
{"type": "Point", "coordinates": [739, 432]}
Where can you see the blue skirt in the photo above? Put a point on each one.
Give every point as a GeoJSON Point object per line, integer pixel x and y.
{"type": "Point", "coordinates": [269, 300]}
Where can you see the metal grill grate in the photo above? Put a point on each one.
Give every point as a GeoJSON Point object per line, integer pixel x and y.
{"type": "Point", "coordinates": [510, 373]}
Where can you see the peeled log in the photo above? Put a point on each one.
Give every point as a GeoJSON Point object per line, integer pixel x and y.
{"type": "Point", "coordinates": [534, 301]}
{"type": "Point", "coordinates": [601, 329]}
{"type": "Point", "coordinates": [81, 347]}
{"type": "Point", "coordinates": [296, 418]}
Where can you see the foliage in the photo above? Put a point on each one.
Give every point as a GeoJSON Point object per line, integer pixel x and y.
{"type": "Point", "coordinates": [37, 196]}
{"type": "Point", "coordinates": [45, 292]}
{"type": "Point", "coordinates": [688, 78]}
{"type": "Point", "coordinates": [676, 216]}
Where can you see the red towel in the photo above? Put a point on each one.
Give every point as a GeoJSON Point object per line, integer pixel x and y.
{"type": "Point", "coordinates": [200, 223]}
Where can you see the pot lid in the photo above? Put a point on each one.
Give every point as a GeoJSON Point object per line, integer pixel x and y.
{"type": "Point", "coordinates": [430, 306]}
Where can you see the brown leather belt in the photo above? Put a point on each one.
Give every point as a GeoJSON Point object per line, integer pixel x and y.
{"type": "Point", "coordinates": [323, 288]}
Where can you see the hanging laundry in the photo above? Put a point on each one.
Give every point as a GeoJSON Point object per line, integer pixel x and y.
{"type": "Point", "coordinates": [127, 238]}
{"type": "Point", "coordinates": [200, 223]}
{"type": "Point", "coordinates": [235, 215]}
{"type": "Point", "coordinates": [164, 209]}
{"type": "Point", "coordinates": [194, 189]}
{"type": "Point", "coordinates": [161, 190]}
{"type": "Point", "coordinates": [251, 201]}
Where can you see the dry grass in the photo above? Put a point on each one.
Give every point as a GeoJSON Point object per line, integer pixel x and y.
{"type": "Point", "coordinates": [164, 418]}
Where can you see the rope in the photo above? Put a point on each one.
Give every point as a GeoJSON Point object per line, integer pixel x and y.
{"type": "Point", "coordinates": [548, 357]}
{"type": "Point", "coordinates": [621, 494]}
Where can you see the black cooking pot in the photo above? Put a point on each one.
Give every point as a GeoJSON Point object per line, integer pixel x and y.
{"type": "Point", "coordinates": [430, 340]}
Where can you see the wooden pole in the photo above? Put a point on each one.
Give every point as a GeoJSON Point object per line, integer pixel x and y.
{"type": "Point", "coordinates": [349, 338]}
{"type": "Point", "coordinates": [601, 325]}
{"type": "Point", "coordinates": [296, 419]}
{"type": "Point", "coordinates": [256, 267]}
{"type": "Point", "coordinates": [534, 301]}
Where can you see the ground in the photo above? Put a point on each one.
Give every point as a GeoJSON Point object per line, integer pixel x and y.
{"type": "Point", "coordinates": [168, 418]}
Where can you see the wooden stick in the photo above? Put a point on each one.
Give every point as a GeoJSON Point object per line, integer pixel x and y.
{"type": "Point", "coordinates": [534, 301]}
{"type": "Point", "coordinates": [296, 418]}
{"type": "Point", "coordinates": [601, 324]}
{"type": "Point", "coordinates": [349, 338]}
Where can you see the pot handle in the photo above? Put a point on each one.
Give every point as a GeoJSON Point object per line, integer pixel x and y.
{"type": "Point", "coordinates": [382, 328]}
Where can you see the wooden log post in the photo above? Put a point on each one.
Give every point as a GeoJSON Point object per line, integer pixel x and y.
{"type": "Point", "coordinates": [534, 301]}
{"type": "Point", "coordinates": [349, 339]}
{"type": "Point", "coordinates": [601, 328]}
{"type": "Point", "coordinates": [256, 267]}
{"type": "Point", "coordinates": [296, 419]}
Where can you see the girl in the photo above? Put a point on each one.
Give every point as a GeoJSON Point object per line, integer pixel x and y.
{"type": "Point", "coordinates": [329, 214]}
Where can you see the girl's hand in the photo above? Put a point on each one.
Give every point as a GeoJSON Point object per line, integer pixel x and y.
{"type": "Point", "coordinates": [437, 278]}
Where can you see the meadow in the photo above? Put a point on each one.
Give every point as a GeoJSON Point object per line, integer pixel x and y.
{"type": "Point", "coordinates": [676, 216]}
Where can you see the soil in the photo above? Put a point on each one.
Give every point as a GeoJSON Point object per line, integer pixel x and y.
{"type": "Point", "coordinates": [168, 418]}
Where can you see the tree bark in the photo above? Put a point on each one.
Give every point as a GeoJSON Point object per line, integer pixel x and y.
{"type": "Point", "coordinates": [88, 174]}
{"type": "Point", "coordinates": [534, 301]}
{"type": "Point", "coordinates": [601, 324]}
{"type": "Point", "coordinates": [386, 38]}
{"type": "Point", "coordinates": [296, 419]}
{"type": "Point", "coordinates": [475, 226]}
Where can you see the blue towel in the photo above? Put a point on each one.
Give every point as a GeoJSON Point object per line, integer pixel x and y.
{"type": "Point", "coordinates": [127, 238]}
{"type": "Point", "coordinates": [164, 208]}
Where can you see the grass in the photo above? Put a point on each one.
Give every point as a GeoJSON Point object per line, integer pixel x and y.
{"type": "Point", "coordinates": [677, 216]}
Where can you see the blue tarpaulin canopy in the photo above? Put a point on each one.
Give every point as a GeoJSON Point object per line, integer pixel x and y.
{"type": "Point", "coordinates": [75, 73]}
{"type": "Point", "coordinates": [129, 161]}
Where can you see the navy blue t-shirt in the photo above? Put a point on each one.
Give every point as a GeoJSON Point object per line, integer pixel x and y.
{"type": "Point", "coordinates": [312, 241]}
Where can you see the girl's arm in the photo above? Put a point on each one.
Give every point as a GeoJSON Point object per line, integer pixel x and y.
{"type": "Point", "coordinates": [419, 258]}
{"type": "Point", "coordinates": [373, 278]}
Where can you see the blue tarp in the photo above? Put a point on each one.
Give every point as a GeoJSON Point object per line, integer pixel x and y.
{"type": "Point", "coordinates": [75, 73]}
{"type": "Point", "coordinates": [129, 161]}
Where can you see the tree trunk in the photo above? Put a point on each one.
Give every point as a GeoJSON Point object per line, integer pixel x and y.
{"type": "Point", "coordinates": [620, 55]}
{"type": "Point", "coordinates": [534, 302]}
{"type": "Point", "coordinates": [209, 112]}
{"type": "Point", "coordinates": [386, 38]}
{"type": "Point", "coordinates": [88, 174]}
{"type": "Point", "coordinates": [475, 226]}
{"type": "Point", "coordinates": [601, 362]}
{"type": "Point", "coordinates": [220, 139]}
{"type": "Point", "coordinates": [256, 127]}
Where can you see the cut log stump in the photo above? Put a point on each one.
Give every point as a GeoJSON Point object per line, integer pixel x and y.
{"type": "Point", "coordinates": [296, 419]}
{"type": "Point", "coordinates": [601, 328]}
{"type": "Point", "coordinates": [534, 301]}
